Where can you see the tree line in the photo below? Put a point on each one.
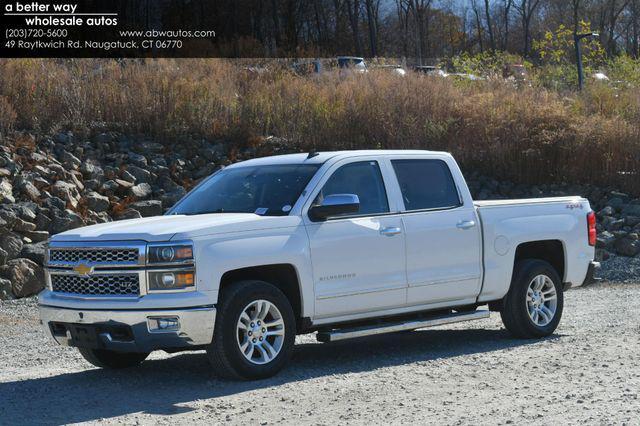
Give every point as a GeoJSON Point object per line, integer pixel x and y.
{"type": "Point", "coordinates": [421, 29]}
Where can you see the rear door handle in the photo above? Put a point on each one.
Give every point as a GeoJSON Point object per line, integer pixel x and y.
{"type": "Point", "coordinates": [466, 224]}
{"type": "Point", "coordinates": [391, 231]}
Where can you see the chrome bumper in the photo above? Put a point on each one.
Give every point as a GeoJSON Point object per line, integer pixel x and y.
{"type": "Point", "coordinates": [129, 330]}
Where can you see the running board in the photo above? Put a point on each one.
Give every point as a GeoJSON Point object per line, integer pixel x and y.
{"type": "Point", "coordinates": [350, 333]}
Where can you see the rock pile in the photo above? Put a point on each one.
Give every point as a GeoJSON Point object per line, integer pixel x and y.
{"type": "Point", "coordinates": [52, 184]}
{"type": "Point", "coordinates": [55, 183]}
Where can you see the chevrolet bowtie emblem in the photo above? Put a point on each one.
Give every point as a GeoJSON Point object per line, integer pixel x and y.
{"type": "Point", "coordinates": [83, 269]}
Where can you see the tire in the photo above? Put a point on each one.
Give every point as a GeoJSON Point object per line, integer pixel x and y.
{"type": "Point", "coordinates": [226, 351]}
{"type": "Point", "coordinates": [520, 304]}
{"type": "Point", "coordinates": [110, 359]}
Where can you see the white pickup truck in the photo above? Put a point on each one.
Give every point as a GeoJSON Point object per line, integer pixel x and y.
{"type": "Point", "coordinates": [347, 244]}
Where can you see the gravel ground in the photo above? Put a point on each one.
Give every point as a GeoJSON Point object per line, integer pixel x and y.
{"type": "Point", "coordinates": [473, 373]}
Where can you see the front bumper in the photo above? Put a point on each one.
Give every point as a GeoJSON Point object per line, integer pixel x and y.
{"type": "Point", "coordinates": [128, 330]}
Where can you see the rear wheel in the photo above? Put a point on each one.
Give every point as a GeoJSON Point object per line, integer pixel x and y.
{"type": "Point", "coordinates": [254, 332]}
{"type": "Point", "coordinates": [110, 359]}
{"type": "Point", "coordinates": [533, 306]}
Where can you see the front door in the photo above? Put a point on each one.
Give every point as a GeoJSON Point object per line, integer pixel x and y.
{"type": "Point", "coordinates": [358, 260]}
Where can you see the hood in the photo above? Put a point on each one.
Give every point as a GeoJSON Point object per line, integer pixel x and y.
{"type": "Point", "coordinates": [177, 227]}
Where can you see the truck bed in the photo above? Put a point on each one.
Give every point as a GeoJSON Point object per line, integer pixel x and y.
{"type": "Point", "coordinates": [507, 224]}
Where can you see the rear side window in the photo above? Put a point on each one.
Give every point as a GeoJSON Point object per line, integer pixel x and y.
{"type": "Point", "coordinates": [426, 184]}
{"type": "Point", "coordinates": [362, 179]}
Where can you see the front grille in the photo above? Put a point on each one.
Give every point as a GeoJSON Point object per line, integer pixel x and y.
{"type": "Point", "coordinates": [101, 284]}
{"type": "Point", "coordinates": [97, 255]}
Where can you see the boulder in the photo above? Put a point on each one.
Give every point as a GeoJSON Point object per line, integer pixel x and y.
{"type": "Point", "coordinates": [6, 192]}
{"type": "Point", "coordinates": [123, 184]}
{"type": "Point", "coordinates": [12, 244]}
{"type": "Point", "coordinates": [141, 191]}
{"type": "Point", "coordinates": [36, 236]}
{"type": "Point", "coordinates": [632, 220]}
{"type": "Point", "coordinates": [25, 211]}
{"type": "Point", "coordinates": [27, 277]}
{"type": "Point", "coordinates": [125, 175]}
{"type": "Point", "coordinates": [148, 208]}
{"type": "Point", "coordinates": [607, 211]}
{"type": "Point", "coordinates": [30, 191]}
{"type": "Point", "coordinates": [23, 226]}
{"type": "Point", "coordinates": [70, 161]}
{"type": "Point", "coordinates": [43, 221]}
{"type": "Point", "coordinates": [34, 252]}
{"type": "Point", "coordinates": [67, 192]}
{"type": "Point", "coordinates": [168, 185]}
{"type": "Point", "coordinates": [91, 184]}
{"type": "Point", "coordinates": [9, 218]}
{"type": "Point", "coordinates": [616, 203]}
{"type": "Point", "coordinates": [605, 239]}
{"type": "Point", "coordinates": [129, 214]}
{"type": "Point", "coordinates": [141, 175]}
{"type": "Point", "coordinates": [137, 159]}
{"type": "Point", "coordinates": [631, 210]}
{"type": "Point", "coordinates": [97, 202]}
{"type": "Point", "coordinates": [621, 195]}
{"type": "Point", "coordinates": [627, 246]}
{"type": "Point", "coordinates": [171, 198]}
{"type": "Point", "coordinates": [54, 202]}
{"type": "Point", "coordinates": [615, 225]}
{"type": "Point", "coordinates": [109, 187]}
{"type": "Point", "coordinates": [91, 171]}
{"type": "Point", "coordinates": [65, 220]}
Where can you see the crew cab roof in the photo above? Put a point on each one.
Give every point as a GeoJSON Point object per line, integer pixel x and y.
{"type": "Point", "coordinates": [322, 157]}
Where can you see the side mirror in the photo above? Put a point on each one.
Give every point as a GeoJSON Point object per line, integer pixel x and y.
{"type": "Point", "coordinates": [334, 205]}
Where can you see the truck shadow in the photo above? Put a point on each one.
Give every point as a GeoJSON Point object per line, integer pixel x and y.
{"type": "Point", "coordinates": [161, 386]}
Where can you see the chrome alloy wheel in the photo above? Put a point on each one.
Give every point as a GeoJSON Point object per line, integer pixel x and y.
{"type": "Point", "coordinates": [542, 300]}
{"type": "Point", "coordinates": [260, 332]}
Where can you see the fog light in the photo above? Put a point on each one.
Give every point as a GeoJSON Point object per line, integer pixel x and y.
{"type": "Point", "coordinates": [161, 324]}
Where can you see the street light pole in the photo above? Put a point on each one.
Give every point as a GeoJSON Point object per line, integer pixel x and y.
{"type": "Point", "coordinates": [577, 38]}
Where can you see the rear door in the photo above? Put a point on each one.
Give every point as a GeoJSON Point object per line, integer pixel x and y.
{"type": "Point", "coordinates": [443, 237]}
{"type": "Point", "coordinates": [358, 260]}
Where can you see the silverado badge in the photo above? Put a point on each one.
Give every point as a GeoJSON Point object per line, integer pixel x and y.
{"type": "Point", "coordinates": [83, 269]}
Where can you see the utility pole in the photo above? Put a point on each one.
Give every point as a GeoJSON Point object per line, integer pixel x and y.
{"type": "Point", "coordinates": [577, 38]}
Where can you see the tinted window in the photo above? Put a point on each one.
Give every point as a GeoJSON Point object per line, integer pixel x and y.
{"type": "Point", "coordinates": [426, 184]}
{"type": "Point", "coordinates": [263, 190]}
{"type": "Point", "coordinates": [362, 179]}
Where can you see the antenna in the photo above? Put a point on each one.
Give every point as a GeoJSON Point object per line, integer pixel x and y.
{"type": "Point", "coordinates": [312, 154]}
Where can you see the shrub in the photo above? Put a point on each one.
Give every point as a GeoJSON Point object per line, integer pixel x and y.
{"type": "Point", "coordinates": [526, 134]}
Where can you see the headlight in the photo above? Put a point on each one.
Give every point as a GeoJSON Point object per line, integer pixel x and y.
{"type": "Point", "coordinates": [171, 267]}
{"type": "Point", "coordinates": [170, 253]}
{"type": "Point", "coordinates": [171, 280]}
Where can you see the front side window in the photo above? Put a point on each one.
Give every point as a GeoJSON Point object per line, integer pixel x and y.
{"type": "Point", "coordinates": [363, 179]}
{"type": "Point", "coordinates": [264, 190]}
{"type": "Point", "coordinates": [426, 184]}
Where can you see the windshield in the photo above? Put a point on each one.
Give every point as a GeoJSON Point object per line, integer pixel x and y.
{"type": "Point", "coordinates": [263, 190]}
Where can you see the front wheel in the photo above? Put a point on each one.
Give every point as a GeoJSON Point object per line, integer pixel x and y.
{"type": "Point", "coordinates": [110, 359]}
{"type": "Point", "coordinates": [254, 332]}
{"type": "Point", "coordinates": [533, 306]}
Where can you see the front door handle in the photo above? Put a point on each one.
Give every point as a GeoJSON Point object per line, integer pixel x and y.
{"type": "Point", "coordinates": [466, 224]}
{"type": "Point", "coordinates": [391, 231]}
